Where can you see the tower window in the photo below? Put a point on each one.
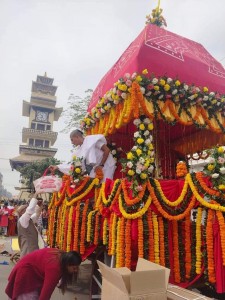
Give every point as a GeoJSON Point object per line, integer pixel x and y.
{"type": "Point", "coordinates": [40, 127]}
{"type": "Point", "coordinates": [48, 127]}
{"type": "Point", "coordinates": [39, 143]}
{"type": "Point", "coordinates": [46, 144]}
{"type": "Point", "coordinates": [31, 142]}
{"type": "Point", "coordinates": [33, 125]}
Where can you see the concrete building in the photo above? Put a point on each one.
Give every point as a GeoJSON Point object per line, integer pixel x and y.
{"type": "Point", "coordinates": [38, 138]}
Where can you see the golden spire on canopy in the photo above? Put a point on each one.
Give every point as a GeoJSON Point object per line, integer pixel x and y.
{"type": "Point", "coordinates": [156, 17]}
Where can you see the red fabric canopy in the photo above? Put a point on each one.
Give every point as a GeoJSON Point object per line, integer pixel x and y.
{"type": "Point", "coordinates": [165, 53]}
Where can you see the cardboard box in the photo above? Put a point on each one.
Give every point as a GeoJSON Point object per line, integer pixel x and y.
{"type": "Point", "coordinates": [148, 282]}
{"type": "Point", "coordinates": [176, 293]}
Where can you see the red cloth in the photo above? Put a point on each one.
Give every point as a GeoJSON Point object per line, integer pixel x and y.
{"type": "Point", "coordinates": [164, 52]}
{"type": "Point", "coordinates": [37, 270]}
{"type": "Point", "coordinates": [4, 217]}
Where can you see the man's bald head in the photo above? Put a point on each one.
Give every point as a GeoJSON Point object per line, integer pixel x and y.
{"type": "Point", "coordinates": [76, 137]}
{"type": "Point", "coordinates": [76, 132]}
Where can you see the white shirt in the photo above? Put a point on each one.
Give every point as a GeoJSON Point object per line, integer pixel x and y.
{"type": "Point", "coordinates": [33, 212]}
{"type": "Point", "coordinates": [92, 154]}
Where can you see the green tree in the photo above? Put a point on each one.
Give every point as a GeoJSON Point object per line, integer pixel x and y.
{"type": "Point", "coordinates": [34, 170]}
{"type": "Point", "coordinates": [76, 110]}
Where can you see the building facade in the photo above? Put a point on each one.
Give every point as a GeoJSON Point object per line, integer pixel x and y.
{"type": "Point", "coordinates": [38, 138]}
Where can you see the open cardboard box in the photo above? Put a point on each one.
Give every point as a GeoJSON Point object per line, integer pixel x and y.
{"type": "Point", "coordinates": [177, 293]}
{"type": "Point", "coordinates": [148, 282]}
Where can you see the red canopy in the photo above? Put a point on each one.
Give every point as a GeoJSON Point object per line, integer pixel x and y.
{"type": "Point", "coordinates": [165, 53]}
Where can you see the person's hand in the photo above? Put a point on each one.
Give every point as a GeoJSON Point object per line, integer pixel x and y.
{"type": "Point", "coordinates": [53, 168]}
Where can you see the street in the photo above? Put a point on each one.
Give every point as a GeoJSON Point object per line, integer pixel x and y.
{"type": "Point", "coordinates": [80, 291]}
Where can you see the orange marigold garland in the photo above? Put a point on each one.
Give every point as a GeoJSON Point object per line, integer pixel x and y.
{"type": "Point", "coordinates": [198, 241]}
{"type": "Point", "coordinates": [76, 227]}
{"type": "Point", "coordinates": [96, 230]}
{"type": "Point", "coordinates": [181, 169]}
{"type": "Point", "coordinates": [176, 261]}
{"type": "Point", "coordinates": [220, 218]}
{"type": "Point", "coordinates": [212, 192]}
{"type": "Point", "coordinates": [69, 229]}
{"type": "Point", "coordinates": [83, 227]}
{"type": "Point", "coordinates": [210, 246]}
{"type": "Point", "coordinates": [128, 243]}
{"type": "Point", "coordinates": [161, 241]}
{"type": "Point", "coordinates": [110, 234]}
{"type": "Point", "coordinates": [140, 238]}
{"type": "Point", "coordinates": [114, 227]}
{"type": "Point", "coordinates": [187, 246]}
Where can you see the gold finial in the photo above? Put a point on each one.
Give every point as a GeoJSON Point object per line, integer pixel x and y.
{"type": "Point", "coordinates": [156, 17]}
{"type": "Point", "coordinates": [45, 75]}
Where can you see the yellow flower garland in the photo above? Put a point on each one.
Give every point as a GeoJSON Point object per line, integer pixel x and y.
{"type": "Point", "coordinates": [105, 230]}
{"type": "Point", "coordinates": [136, 215]}
{"type": "Point", "coordinates": [156, 237]}
{"type": "Point", "coordinates": [114, 234]}
{"type": "Point", "coordinates": [94, 182]}
{"type": "Point", "coordinates": [200, 199]}
{"type": "Point", "coordinates": [198, 241]}
{"type": "Point", "coordinates": [89, 225]}
{"type": "Point", "coordinates": [180, 198]}
{"type": "Point", "coordinates": [118, 253]}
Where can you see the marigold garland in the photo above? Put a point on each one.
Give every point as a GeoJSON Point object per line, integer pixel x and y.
{"type": "Point", "coordinates": [91, 213]}
{"type": "Point", "coordinates": [94, 182]}
{"type": "Point", "coordinates": [96, 230]}
{"type": "Point", "coordinates": [181, 169]}
{"type": "Point", "coordinates": [114, 231]}
{"type": "Point", "coordinates": [156, 237]}
{"type": "Point", "coordinates": [210, 246]}
{"type": "Point", "coordinates": [69, 229]}
{"type": "Point", "coordinates": [105, 232]}
{"type": "Point", "coordinates": [161, 241]}
{"type": "Point", "coordinates": [151, 237]}
{"type": "Point", "coordinates": [167, 201]}
{"type": "Point", "coordinates": [140, 238]}
{"type": "Point", "coordinates": [176, 261]}
{"type": "Point", "coordinates": [133, 200]}
{"type": "Point", "coordinates": [118, 245]}
{"type": "Point", "coordinates": [212, 192]}
{"type": "Point", "coordinates": [128, 244]}
{"type": "Point", "coordinates": [76, 228]}
{"type": "Point", "coordinates": [138, 213]}
{"type": "Point", "coordinates": [83, 227]}
{"type": "Point", "coordinates": [200, 199]}
{"type": "Point", "coordinates": [220, 218]}
{"type": "Point", "coordinates": [187, 239]}
{"type": "Point", "coordinates": [110, 234]}
{"type": "Point", "coordinates": [198, 263]}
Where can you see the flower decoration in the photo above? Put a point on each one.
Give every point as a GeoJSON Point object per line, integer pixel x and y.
{"type": "Point", "coordinates": [215, 168]}
{"type": "Point", "coordinates": [116, 151]}
{"type": "Point", "coordinates": [76, 174]}
{"type": "Point", "coordinates": [181, 169]}
{"type": "Point", "coordinates": [139, 164]}
{"type": "Point", "coordinates": [154, 89]}
{"type": "Point", "coordinates": [156, 18]}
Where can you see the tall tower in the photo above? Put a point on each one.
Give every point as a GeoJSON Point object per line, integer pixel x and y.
{"type": "Point", "coordinates": [39, 137]}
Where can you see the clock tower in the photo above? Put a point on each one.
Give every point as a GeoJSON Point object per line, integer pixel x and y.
{"type": "Point", "coordinates": [39, 137]}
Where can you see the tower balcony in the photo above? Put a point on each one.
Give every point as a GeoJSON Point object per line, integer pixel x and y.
{"type": "Point", "coordinates": [28, 133]}
{"type": "Point", "coordinates": [37, 151]}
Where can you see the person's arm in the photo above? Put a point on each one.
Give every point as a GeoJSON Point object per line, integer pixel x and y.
{"type": "Point", "coordinates": [106, 152]}
{"type": "Point", "coordinates": [36, 214]}
{"type": "Point", "coordinates": [25, 218]}
{"type": "Point", "coordinates": [52, 277]}
{"type": "Point", "coordinates": [64, 168]}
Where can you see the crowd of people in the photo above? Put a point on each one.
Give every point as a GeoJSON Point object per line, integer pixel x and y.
{"type": "Point", "coordinates": [9, 214]}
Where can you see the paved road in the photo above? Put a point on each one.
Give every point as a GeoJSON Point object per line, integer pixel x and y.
{"type": "Point", "coordinates": [79, 292]}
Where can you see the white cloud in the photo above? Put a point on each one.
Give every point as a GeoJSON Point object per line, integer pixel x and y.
{"type": "Point", "coordinates": [76, 42]}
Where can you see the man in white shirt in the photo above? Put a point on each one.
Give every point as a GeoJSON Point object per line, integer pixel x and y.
{"type": "Point", "coordinates": [27, 232]}
{"type": "Point", "coordinates": [94, 153]}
